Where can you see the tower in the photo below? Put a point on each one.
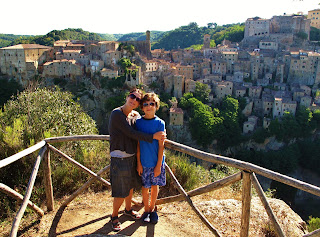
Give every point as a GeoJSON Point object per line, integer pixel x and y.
{"type": "Point", "coordinates": [206, 41]}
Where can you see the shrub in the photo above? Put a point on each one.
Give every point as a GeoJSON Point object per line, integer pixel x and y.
{"type": "Point", "coordinates": [313, 223]}
{"type": "Point", "coordinates": [188, 174]}
{"type": "Point", "coordinates": [33, 116]}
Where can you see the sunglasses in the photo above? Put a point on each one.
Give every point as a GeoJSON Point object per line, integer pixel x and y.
{"type": "Point", "coordinates": [133, 96]}
{"type": "Point", "coordinates": [152, 104]}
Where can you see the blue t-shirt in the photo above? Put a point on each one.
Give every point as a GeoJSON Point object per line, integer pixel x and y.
{"type": "Point", "coordinates": [149, 151]}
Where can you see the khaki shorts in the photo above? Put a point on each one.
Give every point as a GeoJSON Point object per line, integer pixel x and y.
{"type": "Point", "coordinates": [124, 176]}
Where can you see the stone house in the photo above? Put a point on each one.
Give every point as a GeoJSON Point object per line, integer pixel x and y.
{"type": "Point", "coordinates": [186, 71]}
{"type": "Point", "coordinates": [105, 72]}
{"type": "Point", "coordinates": [314, 17]}
{"type": "Point", "coordinates": [255, 91]}
{"type": "Point", "coordinates": [282, 105]}
{"type": "Point", "coordinates": [222, 89]}
{"type": "Point", "coordinates": [306, 101]}
{"type": "Point", "coordinates": [267, 104]}
{"type": "Point", "coordinates": [62, 69]}
{"type": "Point", "coordinates": [219, 67]}
{"type": "Point", "coordinates": [239, 91]}
{"type": "Point", "coordinates": [22, 61]}
{"type": "Point", "coordinates": [190, 86]}
{"type": "Point", "coordinates": [250, 125]}
{"type": "Point", "coordinates": [176, 116]}
{"type": "Point", "coordinates": [174, 83]}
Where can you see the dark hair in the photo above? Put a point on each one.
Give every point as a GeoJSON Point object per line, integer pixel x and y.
{"type": "Point", "coordinates": [137, 91]}
{"type": "Point", "coordinates": [150, 96]}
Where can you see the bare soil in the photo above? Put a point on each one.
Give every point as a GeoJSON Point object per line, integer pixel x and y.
{"type": "Point", "coordinates": [89, 215]}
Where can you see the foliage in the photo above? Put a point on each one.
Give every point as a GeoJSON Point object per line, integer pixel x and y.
{"type": "Point", "coordinates": [52, 36]}
{"type": "Point", "coordinates": [34, 115]}
{"type": "Point", "coordinates": [314, 34]}
{"type": "Point", "coordinates": [188, 174]}
{"type": "Point", "coordinates": [302, 35]}
{"type": "Point", "coordinates": [139, 36]}
{"type": "Point", "coordinates": [231, 128]}
{"type": "Point", "coordinates": [204, 125]}
{"type": "Point", "coordinates": [8, 88]}
{"type": "Point", "coordinates": [313, 223]}
{"type": "Point", "coordinates": [192, 35]}
{"type": "Point", "coordinates": [113, 83]}
{"type": "Point", "coordinates": [202, 92]}
{"type": "Point", "coordinates": [115, 101]}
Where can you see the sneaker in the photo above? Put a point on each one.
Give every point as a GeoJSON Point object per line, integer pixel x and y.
{"type": "Point", "coordinates": [133, 214]}
{"type": "Point", "coordinates": [116, 225]}
{"type": "Point", "coordinates": [154, 217]}
{"type": "Point", "coordinates": [146, 217]}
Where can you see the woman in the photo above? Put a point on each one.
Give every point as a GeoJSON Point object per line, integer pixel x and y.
{"type": "Point", "coordinates": [123, 147]}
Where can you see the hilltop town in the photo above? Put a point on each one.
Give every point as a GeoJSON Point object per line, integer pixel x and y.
{"type": "Point", "coordinates": [275, 67]}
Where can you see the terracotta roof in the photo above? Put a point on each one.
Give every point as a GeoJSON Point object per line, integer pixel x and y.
{"type": "Point", "coordinates": [176, 110]}
{"type": "Point", "coordinates": [27, 46]}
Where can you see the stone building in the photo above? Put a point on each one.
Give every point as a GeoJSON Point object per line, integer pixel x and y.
{"type": "Point", "coordinates": [257, 27]}
{"type": "Point", "coordinates": [206, 41]}
{"type": "Point", "coordinates": [250, 125]}
{"type": "Point", "coordinates": [304, 68]}
{"type": "Point", "coordinates": [282, 105]}
{"type": "Point", "coordinates": [186, 71]}
{"type": "Point", "coordinates": [62, 69]}
{"type": "Point", "coordinates": [314, 17]}
{"type": "Point", "coordinates": [190, 86]}
{"type": "Point", "coordinates": [222, 89]}
{"type": "Point", "coordinates": [22, 61]}
{"type": "Point", "coordinates": [176, 116]}
{"type": "Point", "coordinates": [105, 72]}
{"type": "Point", "coordinates": [174, 83]}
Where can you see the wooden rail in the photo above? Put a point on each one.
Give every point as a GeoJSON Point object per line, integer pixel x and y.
{"type": "Point", "coordinates": [247, 175]}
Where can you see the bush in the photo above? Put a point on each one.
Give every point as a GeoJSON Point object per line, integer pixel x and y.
{"type": "Point", "coordinates": [188, 174]}
{"type": "Point", "coordinates": [33, 116]}
{"type": "Point", "coordinates": [313, 223]}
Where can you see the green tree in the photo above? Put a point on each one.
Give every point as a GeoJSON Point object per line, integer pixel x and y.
{"type": "Point", "coordinates": [34, 115]}
{"type": "Point", "coordinates": [202, 92]}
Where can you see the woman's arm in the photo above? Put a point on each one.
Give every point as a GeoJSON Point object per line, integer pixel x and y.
{"type": "Point", "coordinates": [139, 165]}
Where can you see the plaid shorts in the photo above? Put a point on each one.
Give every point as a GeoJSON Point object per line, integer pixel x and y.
{"type": "Point", "coordinates": [124, 176]}
{"type": "Point", "coordinates": [149, 180]}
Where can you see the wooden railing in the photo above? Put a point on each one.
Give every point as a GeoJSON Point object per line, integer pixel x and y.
{"type": "Point", "coordinates": [247, 174]}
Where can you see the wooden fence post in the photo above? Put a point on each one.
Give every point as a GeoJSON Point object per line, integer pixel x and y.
{"type": "Point", "coordinates": [246, 202]}
{"type": "Point", "coordinates": [48, 181]}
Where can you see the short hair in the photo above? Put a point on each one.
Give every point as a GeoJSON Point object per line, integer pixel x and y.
{"type": "Point", "coordinates": [136, 90]}
{"type": "Point", "coordinates": [150, 96]}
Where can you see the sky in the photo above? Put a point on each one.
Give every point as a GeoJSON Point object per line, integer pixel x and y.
{"type": "Point", "coordinates": [38, 17]}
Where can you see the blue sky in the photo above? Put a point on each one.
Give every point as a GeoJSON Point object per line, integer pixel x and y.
{"type": "Point", "coordinates": [37, 17]}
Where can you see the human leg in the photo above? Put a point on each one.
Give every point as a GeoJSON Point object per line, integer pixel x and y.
{"type": "Point", "coordinates": [128, 210]}
{"type": "Point", "coordinates": [117, 202]}
{"type": "Point", "coordinates": [154, 195]}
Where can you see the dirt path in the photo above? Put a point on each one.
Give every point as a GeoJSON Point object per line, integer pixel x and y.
{"type": "Point", "coordinates": [89, 215]}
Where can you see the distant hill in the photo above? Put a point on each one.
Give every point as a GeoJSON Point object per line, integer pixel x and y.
{"type": "Point", "coordinates": [192, 34]}
{"type": "Point", "coordinates": [182, 37]}
{"type": "Point", "coordinates": [75, 34]}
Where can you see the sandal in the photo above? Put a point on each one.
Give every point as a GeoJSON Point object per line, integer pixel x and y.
{"type": "Point", "coordinates": [133, 214]}
{"type": "Point", "coordinates": [116, 226]}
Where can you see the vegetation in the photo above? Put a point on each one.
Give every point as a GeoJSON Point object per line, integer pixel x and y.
{"type": "Point", "coordinates": [313, 223]}
{"type": "Point", "coordinates": [208, 124]}
{"type": "Point", "coordinates": [8, 88]}
{"type": "Point", "coordinates": [33, 116]}
{"type": "Point", "coordinates": [192, 36]}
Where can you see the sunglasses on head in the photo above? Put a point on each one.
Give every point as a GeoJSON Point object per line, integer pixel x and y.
{"type": "Point", "coordinates": [133, 96]}
{"type": "Point", "coordinates": [151, 104]}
